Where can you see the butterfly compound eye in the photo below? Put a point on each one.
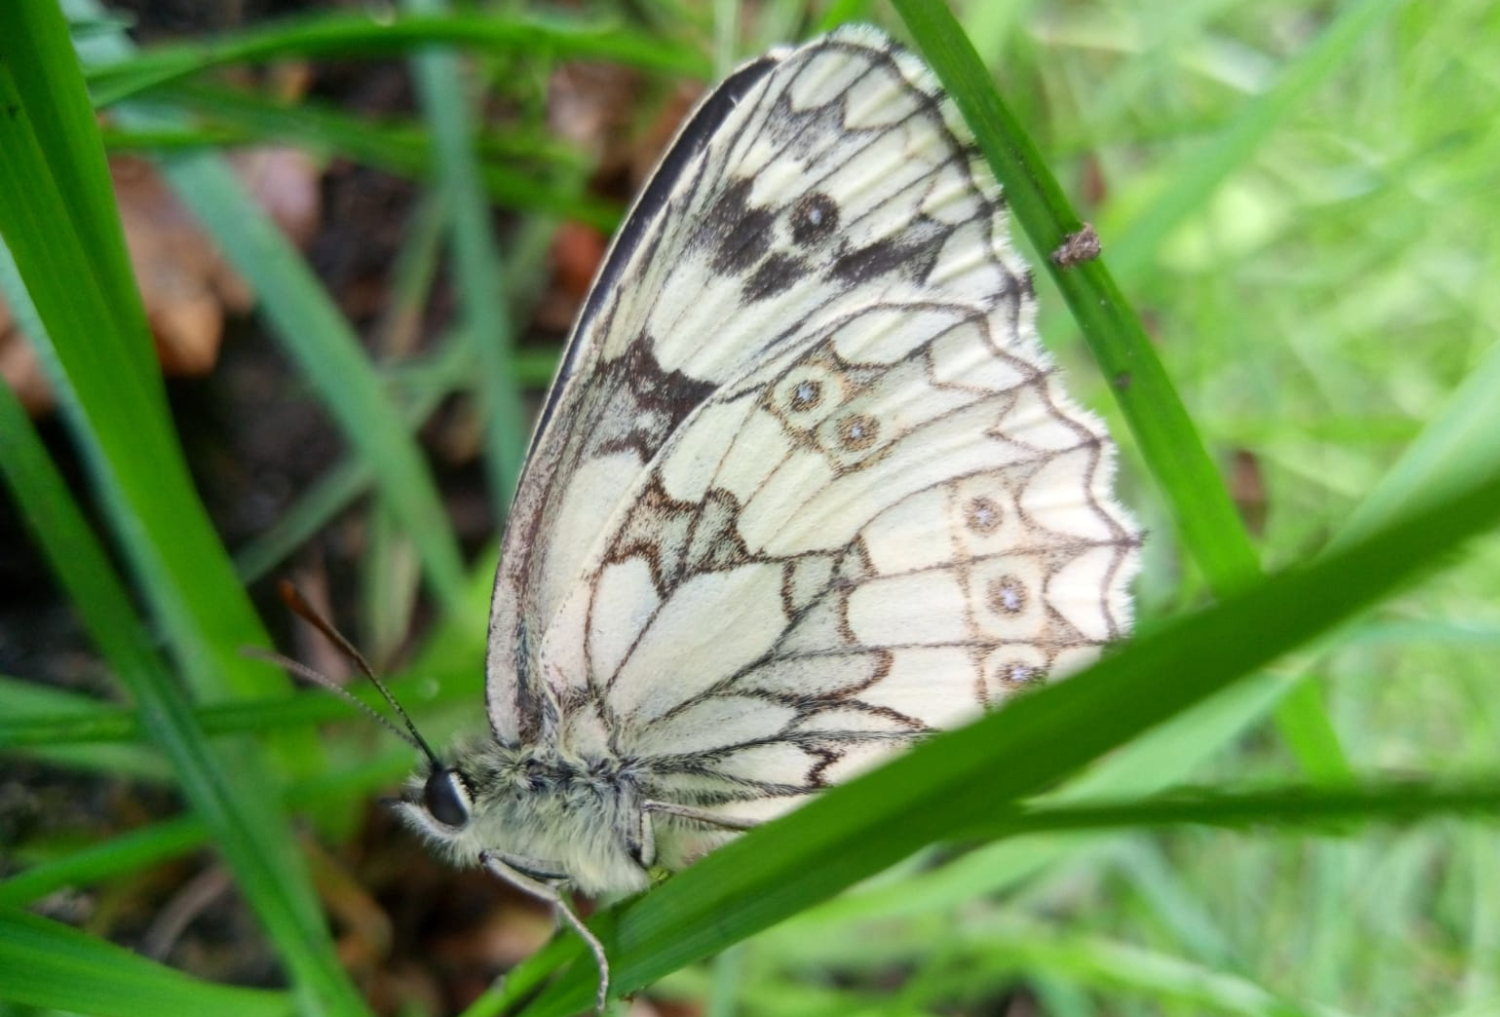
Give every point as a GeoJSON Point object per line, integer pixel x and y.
{"type": "Point", "coordinates": [445, 798]}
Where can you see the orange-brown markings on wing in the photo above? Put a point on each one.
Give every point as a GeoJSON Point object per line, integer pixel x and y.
{"type": "Point", "coordinates": [1017, 674]}
{"type": "Point", "coordinates": [983, 515]}
{"type": "Point", "coordinates": [806, 395]}
{"type": "Point", "coordinates": [858, 431]}
{"type": "Point", "coordinates": [1007, 595]}
{"type": "Point", "coordinates": [656, 532]}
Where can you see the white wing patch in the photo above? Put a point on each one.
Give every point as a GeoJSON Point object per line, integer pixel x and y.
{"type": "Point", "coordinates": [810, 488]}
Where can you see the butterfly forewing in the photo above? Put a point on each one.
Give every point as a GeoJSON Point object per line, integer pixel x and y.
{"type": "Point", "coordinates": [811, 488]}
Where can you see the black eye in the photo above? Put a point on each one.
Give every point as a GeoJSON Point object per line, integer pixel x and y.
{"type": "Point", "coordinates": [445, 800]}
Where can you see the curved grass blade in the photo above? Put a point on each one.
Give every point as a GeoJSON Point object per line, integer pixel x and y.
{"type": "Point", "coordinates": [958, 779]}
{"type": "Point", "coordinates": [50, 966]}
{"type": "Point", "coordinates": [345, 35]}
{"type": "Point", "coordinates": [515, 175]}
{"type": "Point", "coordinates": [57, 217]}
{"type": "Point", "coordinates": [225, 781]}
{"type": "Point", "coordinates": [321, 342]}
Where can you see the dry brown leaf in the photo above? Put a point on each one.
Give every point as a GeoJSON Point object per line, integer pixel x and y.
{"type": "Point", "coordinates": [186, 287]}
{"type": "Point", "coordinates": [19, 367]}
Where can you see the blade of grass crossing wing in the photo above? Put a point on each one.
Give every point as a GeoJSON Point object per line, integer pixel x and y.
{"type": "Point", "coordinates": [1159, 759]}
{"type": "Point", "coordinates": [948, 784]}
{"type": "Point", "coordinates": [1167, 438]}
{"type": "Point", "coordinates": [1168, 441]}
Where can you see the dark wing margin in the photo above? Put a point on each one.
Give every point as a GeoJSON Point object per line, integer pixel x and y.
{"type": "Point", "coordinates": [691, 140]}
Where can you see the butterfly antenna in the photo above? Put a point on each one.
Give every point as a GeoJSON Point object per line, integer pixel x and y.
{"type": "Point", "coordinates": [318, 678]}
{"type": "Point", "coordinates": [292, 598]}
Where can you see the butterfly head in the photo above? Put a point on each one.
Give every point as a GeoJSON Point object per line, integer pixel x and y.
{"type": "Point", "coordinates": [465, 805]}
{"type": "Point", "coordinates": [438, 802]}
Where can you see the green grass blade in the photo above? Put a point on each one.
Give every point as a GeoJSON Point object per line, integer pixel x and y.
{"type": "Point", "coordinates": [224, 782]}
{"type": "Point", "coordinates": [1199, 173]}
{"type": "Point", "coordinates": [481, 289]}
{"type": "Point", "coordinates": [69, 265]}
{"type": "Point", "coordinates": [345, 35]}
{"type": "Point", "coordinates": [318, 339]}
{"type": "Point", "coordinates": [1160, 759]}
{"type": "Point", "coordinates": [960, 778]}
{"type": "Point", "coordinates": [1310, 805]}
{"type": "Point", "coordinates": [999, 952]}
{"type": "Point", "coordinates": [39, 717]}
{"type": "Point", "coordinates": [150, 845]}
{"type": "Point", "coordinates": [520, 175]}
{"type": "Point", "coordinates": [52, 967]}
{"type": "Point", "coordinates": [129, 852]}
{"type": "Point", "coordinates": [91, 332]}
{"type": "Point", "coordinates": [329, 354]}
{"type": "Point", "coordinates": [1169, 443]}
{"type": "Point", "coordinates": [67, 714]}
{"type": "Point", "coordinates": [1456, 444]}
{"type": "Point", "coordinates": [343, 483]}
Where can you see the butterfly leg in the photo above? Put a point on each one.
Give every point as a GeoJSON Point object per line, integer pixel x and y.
{"type": "Point", "coordinates": [641, 839]}
{"type": "Point", "coordinates": [700, 816]}
{"type": "Point", "coordinates": [553, 895]}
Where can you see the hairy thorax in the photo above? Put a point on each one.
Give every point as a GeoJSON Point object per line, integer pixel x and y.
{"type": "Point", "coordinates": [553, 817]}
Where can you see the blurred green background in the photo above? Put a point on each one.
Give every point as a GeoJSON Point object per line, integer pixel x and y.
{"type": "Point", "coordinates": [1296, 205]}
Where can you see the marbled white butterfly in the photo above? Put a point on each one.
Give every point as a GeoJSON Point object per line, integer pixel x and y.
{"type": "Point", "coordinates": [805, 490]}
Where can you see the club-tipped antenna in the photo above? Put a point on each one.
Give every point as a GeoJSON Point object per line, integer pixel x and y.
{"type": "Point", "coordinates": [292, 598]}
